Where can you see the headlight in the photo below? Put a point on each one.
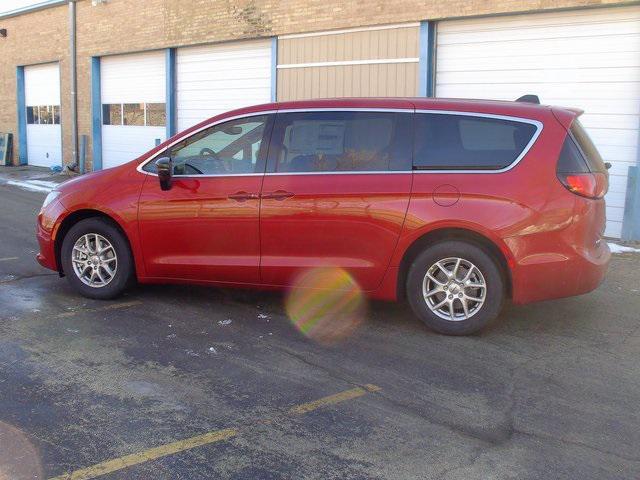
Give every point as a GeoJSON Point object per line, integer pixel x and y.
{"type": "Point", "coordinates": [50, 198]}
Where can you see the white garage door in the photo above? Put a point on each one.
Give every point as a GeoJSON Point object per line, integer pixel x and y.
{"type": "Point", "coordinates": [213, 79]}
{"type": "Point", "coordinates": [133, 91]}
{"type": "Point", "coordinates": [42, 98]}
{"type": "Point", "coordinates": [588, 59]}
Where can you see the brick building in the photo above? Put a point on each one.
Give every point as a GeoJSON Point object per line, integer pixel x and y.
{"type": "Point", "coordinates": [149, 68]}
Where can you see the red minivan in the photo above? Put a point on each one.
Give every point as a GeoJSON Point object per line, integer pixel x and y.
{"type": "Point", "coordinates": [455, 205]}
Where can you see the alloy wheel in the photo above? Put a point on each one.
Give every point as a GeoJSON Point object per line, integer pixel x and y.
{"type": "Point", "coordinates": [454, 289]}
{"type": "Point", "coordinates": [94, 260]}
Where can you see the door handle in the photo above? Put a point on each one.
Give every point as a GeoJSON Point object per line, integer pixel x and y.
{"type": "Point", "coordinates": [277, 195]}
{"type": "Point", "coordinates": [243, 196]}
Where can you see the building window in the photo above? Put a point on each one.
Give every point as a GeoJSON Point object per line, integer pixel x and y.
{"type": "Point", "coordinates": [134, 114]}
{"type": "Point", "coordinates": [112, 114]}
{"type": "Point", "coordinates": [46, 115]}
{"type": "Point", "coordinates": [156, 114]}
{"type": "Point", "coordinates": [43, 115]}
{"type": "Point", "coordinates": [32, 116]}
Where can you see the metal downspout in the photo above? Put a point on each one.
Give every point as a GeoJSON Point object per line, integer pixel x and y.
{"type": "Point", "coordinates": [74, 85]}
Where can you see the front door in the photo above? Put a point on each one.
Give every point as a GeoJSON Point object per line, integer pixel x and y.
{"type": "Point", "coordinates": [206, 226]}
{"type": "Point", "coordinates": [336, 193]}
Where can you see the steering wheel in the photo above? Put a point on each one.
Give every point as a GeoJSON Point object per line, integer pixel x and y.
{"type": "Point", "coordinates": [209, 153]}
{"type": "Point", "coordinates": [219, 165]}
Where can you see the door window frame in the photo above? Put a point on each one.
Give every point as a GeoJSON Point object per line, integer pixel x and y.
{"type": "Point", "coordinates": [262, 152]}
{"type": "Point", "coordinates": [271, 163]}
{"type": "Point", "coordinates": [538, 124]}
{"type": "Point", "coordinates": [539, 127]}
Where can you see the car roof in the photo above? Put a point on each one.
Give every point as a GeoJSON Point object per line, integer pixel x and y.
{"type": "Point", "coordinates": [497, 107]}
{"type": "Point", "coordinates": [491, 107]}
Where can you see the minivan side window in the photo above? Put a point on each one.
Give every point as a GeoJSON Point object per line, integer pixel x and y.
{"type": "Point", "coordinates": [466, 142]}
{"type": "Point", "coordinates": [340, 141]}
{"type": "Point", "coordinates": [229, 148]}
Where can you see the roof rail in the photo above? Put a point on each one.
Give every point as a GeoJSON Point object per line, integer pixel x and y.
{"type": "Point", "coordinates": [529, 99]}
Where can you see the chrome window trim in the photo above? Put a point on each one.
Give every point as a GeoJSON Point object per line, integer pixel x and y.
{"type": "Point", "coordinates": [348, 109]}
{"type": "Point", "coordinates": [538, 124]}
{"type": "Point", "coordinates": [539, 127]}
{"type": "Point", "coordinates": [342, 172]}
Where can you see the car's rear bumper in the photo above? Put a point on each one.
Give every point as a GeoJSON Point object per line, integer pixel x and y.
{"type": "Point", "coordinates": [574, 271]}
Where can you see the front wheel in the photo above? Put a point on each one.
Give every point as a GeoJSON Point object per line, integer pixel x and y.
{"type": "Point", "coordinates": [96, 259]}
{"type": "Point", "coordinates": [455, 287]}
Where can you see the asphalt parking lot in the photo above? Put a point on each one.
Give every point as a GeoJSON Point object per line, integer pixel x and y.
{"type": "Point", "coordinates": [183, 382]}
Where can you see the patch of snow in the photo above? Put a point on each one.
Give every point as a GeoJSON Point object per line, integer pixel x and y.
{"type": "Point", "coordinates": [44, 183]}
{"type": "Point", "coordinates": [29, 185]}
{"type": "Point", "coordinates": [224, 322]}
{"type": "Point", "coordinates": [615, 248]}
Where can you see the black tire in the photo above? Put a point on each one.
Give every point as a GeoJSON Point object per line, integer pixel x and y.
{"type": "Point", "coordinates": [495, 287]}
{"type": "Point", "coordinates": [124, 271]}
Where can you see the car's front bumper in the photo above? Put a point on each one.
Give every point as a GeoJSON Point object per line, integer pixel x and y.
{"type": "Point", "coordinates": [48, 225]}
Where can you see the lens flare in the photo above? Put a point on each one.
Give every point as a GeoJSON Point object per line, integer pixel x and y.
{"type": "Point", "coordinates": [325, 304]}
{"type": "Point", "coordinates": [18, 457]}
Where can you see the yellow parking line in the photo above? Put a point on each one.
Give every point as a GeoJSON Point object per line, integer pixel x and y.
{"type": "Point", "coordinates": [153, 453]}
{"type": "Point", "coordinates": [6, 259]}
{"type": "Point", "coordinates": [112, 306]}
{"type": "Point", "coordinates": [331, 399]}
{"type": "Point", "coordinates": [126, 461]}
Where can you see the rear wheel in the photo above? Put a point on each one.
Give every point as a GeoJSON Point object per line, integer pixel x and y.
{"type": "Point", "coordinates": [96, 259]}
{"type": "Point", "coordinates": [455, 287]}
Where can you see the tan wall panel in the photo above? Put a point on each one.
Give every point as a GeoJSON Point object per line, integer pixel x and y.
{"type": "Point", "coordinates": [382, 80]}
{"type": "Point", "coordinates": [366, 45]}
{"type": "Point", "coordinates": [389, 79]}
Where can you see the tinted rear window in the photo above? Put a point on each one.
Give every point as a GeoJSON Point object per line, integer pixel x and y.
{"type": "Point", "coordinates": [449, 142]}
{"type": "Point", "coordinates": [589, 150]}
{"type": "Point", "coordinates": [571, 159]}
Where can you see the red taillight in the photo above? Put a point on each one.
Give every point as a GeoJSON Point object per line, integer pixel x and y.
{"type": "Point", "coordinates": [590, 185]}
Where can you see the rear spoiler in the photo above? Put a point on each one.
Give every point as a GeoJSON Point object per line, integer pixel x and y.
{"type": "Point", "coordinates": [529, 99]}
{"type": "Point", "coordinates": [566, 115]}
{"type": "Point", "coordinates": [577, 111]}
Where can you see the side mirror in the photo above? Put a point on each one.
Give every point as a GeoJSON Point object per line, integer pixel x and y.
{"type": "Point", "coordinates": [164, 167]}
